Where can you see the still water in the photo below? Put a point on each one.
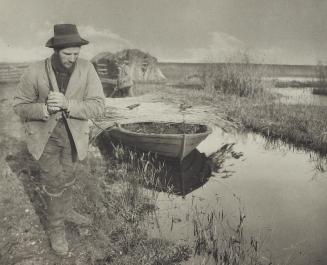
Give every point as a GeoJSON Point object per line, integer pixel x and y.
{"type": "Point", "coordinates": [300, 96]}
{"type": "Point", "coordinates": [279, 189]}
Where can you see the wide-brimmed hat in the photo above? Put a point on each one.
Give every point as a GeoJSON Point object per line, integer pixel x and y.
{"type": "Point", "coordinates": [65, 35]}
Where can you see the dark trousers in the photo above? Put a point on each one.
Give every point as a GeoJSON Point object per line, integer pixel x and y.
{"type": "Point", "coordinates": [58, 163]}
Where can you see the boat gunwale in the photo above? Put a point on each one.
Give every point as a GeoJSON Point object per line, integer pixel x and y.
{"type": "Point", "coordinates": [156, 135]}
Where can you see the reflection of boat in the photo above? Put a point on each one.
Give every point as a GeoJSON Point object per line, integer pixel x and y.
{"type": "Point", "coordinates": [168, 144]}
{"type": "Point", "coordinates": [183, 177]}
{"type": "Point", "coordinates": [176, 176]}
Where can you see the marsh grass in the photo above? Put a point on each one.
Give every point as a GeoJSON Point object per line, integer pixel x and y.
{"type": "Point", "coordinates": [302, 125]}
{"type": "Point", "coordinates": [321, 87]}
{"type": "Point", "coordinates": [296, 84]}
{"type": "Point", "coordinates": [222, 237]}
{"type": "Point", "coordinates": [242, 80]}
{"type": "Point", "coordinates": [222, 242]}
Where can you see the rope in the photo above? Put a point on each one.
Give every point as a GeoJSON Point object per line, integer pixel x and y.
{"type": "Point", "coordinates": [101, 130]}
{"type": "Point", "coordinates": [57, 195]}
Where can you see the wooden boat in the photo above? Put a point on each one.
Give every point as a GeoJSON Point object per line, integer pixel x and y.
{"type": "Point", "coordinates": [167, 144]}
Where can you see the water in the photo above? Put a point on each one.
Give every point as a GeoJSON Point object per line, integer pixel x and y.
{"type": "Point", "coordinates": [300, 96]}
{"type": "Point", "coordinates": [280, 190]}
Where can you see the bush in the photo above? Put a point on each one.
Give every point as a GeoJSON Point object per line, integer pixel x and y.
{"type": "Point", "coordinates": [243, 79]}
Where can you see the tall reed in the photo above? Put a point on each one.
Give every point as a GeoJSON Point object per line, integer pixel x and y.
{"type": "Point", "coordinates": [321, 87]}
{"type": "Point", "coordinates": [243, 79]}
{"type": "Point", "coordinates": [221, 240]}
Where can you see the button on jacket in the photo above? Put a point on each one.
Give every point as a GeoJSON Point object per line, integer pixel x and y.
{"type": "Point", "coordinates": [85, 100]}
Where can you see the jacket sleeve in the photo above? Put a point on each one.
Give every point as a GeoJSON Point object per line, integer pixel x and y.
{"type": "Point", "coordinates": [26, 97]}
{"type": "Point", "coordinates": [92, 105]}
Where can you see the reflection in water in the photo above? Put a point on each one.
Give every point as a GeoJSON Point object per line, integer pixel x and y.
{"type": "Point", "coordinates": [183, 177]}
{"type": "Point", "coordinates": [175, 176]}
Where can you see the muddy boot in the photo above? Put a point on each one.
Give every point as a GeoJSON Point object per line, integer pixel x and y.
{"type": "Point", "coordinates": [78, 219]}
{"type": "Point", "coordinates": [70, 214]}
{"type": "Point", "coordinates": [58, 240]}
{"type": "Point", "coordinates": [56, 226]}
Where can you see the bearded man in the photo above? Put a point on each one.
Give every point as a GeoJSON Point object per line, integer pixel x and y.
{"type": "Point", "coordinates": [55, 98]}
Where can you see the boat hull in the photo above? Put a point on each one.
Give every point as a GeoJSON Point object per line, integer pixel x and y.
{"type": "Point", "coordinates": [167, 145]}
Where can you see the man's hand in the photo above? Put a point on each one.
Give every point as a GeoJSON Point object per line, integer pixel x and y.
{"type": "Point", "coordinates": [52, 110]}
{"type": "Point", "coordinates": [57, 101]}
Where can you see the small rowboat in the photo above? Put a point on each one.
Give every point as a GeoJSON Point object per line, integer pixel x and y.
{"type": "Point", "coordinates": [168, 139]}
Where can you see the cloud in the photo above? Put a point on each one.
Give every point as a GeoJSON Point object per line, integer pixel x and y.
{"type": "Point", "coordinates": [277, 55]}
{"type": "Point", "coordinates": [222, 46]}
{"type": "Point", "coordinates": [100, 40]}
{"type": "Point", "coordinates": [21, 54]}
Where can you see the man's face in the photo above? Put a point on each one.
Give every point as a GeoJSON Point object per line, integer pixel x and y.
{"type": "Point", "coordinates": [68, 56]}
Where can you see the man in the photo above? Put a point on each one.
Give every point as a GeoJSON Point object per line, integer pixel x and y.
{"type": "Point", "coordinates": [55, 98]}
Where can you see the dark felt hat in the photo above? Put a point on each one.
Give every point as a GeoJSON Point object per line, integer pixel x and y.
{"type": "Point", "coordinates": [65, 35]}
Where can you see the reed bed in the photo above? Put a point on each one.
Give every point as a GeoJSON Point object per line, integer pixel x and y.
{"type": "Point", "coordinates": [242, 81]}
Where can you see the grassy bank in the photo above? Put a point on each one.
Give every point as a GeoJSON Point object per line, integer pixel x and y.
{"type": "Point", "coordinates": [240, 97]}
{"type": "Point", "coordinates": [302, 125]}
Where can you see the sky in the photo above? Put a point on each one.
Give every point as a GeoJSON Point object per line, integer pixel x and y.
{"type": "Point", "coordinates": [263, 31]}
